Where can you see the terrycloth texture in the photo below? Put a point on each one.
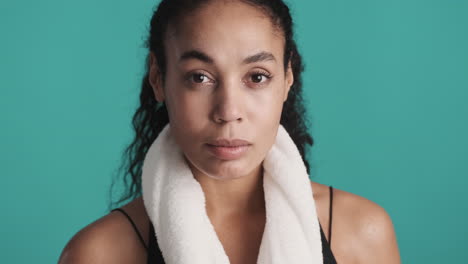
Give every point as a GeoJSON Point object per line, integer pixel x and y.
{"type": "Point", "coordinates": [175, 203]}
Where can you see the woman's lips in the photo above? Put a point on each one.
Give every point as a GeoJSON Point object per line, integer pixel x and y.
{"type": "Point", "coordinates": [228, 152]}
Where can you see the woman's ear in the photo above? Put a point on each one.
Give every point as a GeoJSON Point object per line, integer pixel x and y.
{"type": "Point", "coordinates": [155, 79]}
{"type": "Point", "coordinates": [289, 80]}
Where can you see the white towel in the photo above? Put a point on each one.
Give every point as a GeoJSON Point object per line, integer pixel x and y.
{"type": "Point", "coordinates": [175, 203]}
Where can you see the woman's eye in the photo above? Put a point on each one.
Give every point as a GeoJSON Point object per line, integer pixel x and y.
{"type": "Point", "coordinates": [256, 78]}
{"type": "Point", "coordinates": [260, 77]}
{"type": "Point", "coordinates": [199, 78]}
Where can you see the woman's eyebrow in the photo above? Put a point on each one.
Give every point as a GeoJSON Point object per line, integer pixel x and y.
{"type": "Point", "coordinates": [199, 55]}
{"type": "Point", "coordinates": [196, 54]}
{"type": "Point", "coordinates": [261, 56]}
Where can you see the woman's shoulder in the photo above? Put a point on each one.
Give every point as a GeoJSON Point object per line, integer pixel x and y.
{"type": "Point", "coordinates": [110, 239]}
{"type": "Point", "coordinates": [362, 230]}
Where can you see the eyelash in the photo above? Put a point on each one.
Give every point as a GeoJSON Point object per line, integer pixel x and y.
{"type": "Point", "coordinates": [267, 75]}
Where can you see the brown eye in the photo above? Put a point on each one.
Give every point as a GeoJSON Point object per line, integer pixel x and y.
{"type": "Point", "coordinates": [257, 78]}
{"type": "Point", "coordinates": [260, 77]}
{"type": "Point", "coordinates": [199, 78]}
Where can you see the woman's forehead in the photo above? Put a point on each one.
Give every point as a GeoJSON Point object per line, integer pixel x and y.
{"type": "Point", "coordinates": [228, 31]}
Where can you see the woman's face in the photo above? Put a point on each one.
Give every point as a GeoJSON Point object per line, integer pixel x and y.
{"type": "Point", "coordinates": [225, 79]}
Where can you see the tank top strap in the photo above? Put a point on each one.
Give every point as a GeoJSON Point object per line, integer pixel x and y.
{"type": "Point", "coordinates": [154, 252]}
{"type": "Point", "coordinates": [133, 224]}
{"type": "Point", "coordinates": [330, 215]}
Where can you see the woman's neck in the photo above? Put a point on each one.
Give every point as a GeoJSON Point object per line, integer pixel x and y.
{"type": "Point", "coordinates": [242, 196]}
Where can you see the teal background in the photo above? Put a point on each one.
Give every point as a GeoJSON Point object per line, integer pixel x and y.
{"type": "Point", "coordinates": [386, 85]}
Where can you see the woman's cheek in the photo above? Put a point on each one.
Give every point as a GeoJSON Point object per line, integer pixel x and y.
{"type": "Point", "coordinates": [268, 106]}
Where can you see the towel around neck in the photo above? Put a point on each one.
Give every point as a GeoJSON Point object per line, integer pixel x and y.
{"type": "Point", "coordinates": [175, 203]}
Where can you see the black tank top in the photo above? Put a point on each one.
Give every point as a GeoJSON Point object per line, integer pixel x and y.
{"type": "Point", "coordinates": [155, 254]}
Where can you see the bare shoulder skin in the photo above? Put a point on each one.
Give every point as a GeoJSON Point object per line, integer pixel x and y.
{"type": "Point", "coordinates": [362, 232]}
{"type": "Point", "coordinates": [110, 239]}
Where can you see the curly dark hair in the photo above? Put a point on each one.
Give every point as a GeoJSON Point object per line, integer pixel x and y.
{"type": "Point", "coordinates": [151, 116]}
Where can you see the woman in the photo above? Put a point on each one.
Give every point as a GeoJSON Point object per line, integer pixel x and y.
{"type": "Point", "coordinates": [225, 70]}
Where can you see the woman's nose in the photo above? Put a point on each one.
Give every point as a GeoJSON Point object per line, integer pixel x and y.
{"type": "Point", "coordinates": [228, 103]}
